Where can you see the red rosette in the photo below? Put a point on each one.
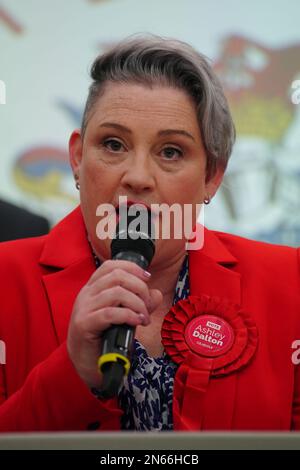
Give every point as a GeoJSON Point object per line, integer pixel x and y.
{"type": "Point", "coordinates": [230, 343]}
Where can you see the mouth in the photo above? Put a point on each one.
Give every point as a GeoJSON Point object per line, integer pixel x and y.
{"type": "Point", "coordinates": [128, 203]}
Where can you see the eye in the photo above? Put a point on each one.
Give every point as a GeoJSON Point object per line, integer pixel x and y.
{"type": "Point", "coordinates": [113, 145]}
{"type": "Point", "coordinates": [172, 153]}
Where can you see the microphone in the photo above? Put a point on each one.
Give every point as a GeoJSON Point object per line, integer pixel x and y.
{"type": "Point", "coordinates": [135, 245]}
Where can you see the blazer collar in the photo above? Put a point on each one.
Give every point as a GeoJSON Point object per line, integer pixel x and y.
{"type": "Point", "coordinates": [67, 242]}
{"type": "Point", "coordinates": [211, 269]}
{"type": "Point", "coordinates": [69, 263]}
{"type": "Point", "coordinates": [67, 250]}
{"type": "Point", "coordinates": [214, 248]}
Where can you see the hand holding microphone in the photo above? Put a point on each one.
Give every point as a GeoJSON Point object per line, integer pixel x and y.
{"type": "Point", "coordinates": [97, 307]}
{"type": "Point", "coordinates": [137, 246]}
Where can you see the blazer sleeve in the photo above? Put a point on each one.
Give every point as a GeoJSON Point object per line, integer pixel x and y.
{"type": "Point", "coordinates": [54, 398]}
{"type": "Point", "coordinates": [296, 401]}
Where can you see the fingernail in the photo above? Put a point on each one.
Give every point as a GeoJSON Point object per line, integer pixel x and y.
{"type": "Point", "coordinates": [147, 274]}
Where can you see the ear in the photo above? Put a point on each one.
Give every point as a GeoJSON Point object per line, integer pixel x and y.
{"type": "Point", "coordinates": [212, 185]}
{"type": "Point", "coordinates": [75, 152]}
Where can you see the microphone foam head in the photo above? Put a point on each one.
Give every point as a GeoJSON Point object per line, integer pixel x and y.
{"type": "Point", "coordinates": [135, 231]}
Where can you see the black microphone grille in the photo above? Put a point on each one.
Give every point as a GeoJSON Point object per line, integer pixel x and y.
{"type": "Point", "coordinates": [135, 233]}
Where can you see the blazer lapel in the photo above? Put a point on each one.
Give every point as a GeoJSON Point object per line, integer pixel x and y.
{"type": "Point", "coordinates": [210, 273]}
{"type": "Point", "coordinates": [68, 264]}
{"type": "Point", "coordinates": [211, 270]}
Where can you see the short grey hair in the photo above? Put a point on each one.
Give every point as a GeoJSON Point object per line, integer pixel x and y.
{"type": "Point", "coordinates": [152, 60]}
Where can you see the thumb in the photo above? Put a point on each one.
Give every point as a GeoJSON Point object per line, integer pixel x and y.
{"type": "Point", "coordinates": [156, 299]}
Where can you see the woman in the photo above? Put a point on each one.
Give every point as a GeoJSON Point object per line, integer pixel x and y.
{"type": "Point", "coordinates": [214, 326]}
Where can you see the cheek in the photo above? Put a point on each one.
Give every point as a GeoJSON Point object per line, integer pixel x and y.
{"type": "Point", "coordinates": [91, 194]}
{"type": "Point", "coordinates": [97, 183]}
{"type": "Point", "coordinates": [189, 189]}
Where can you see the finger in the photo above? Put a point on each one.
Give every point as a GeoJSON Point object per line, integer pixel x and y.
{"type": "Point", "coordinates": [118, 296]}
{"type": "Point", "coordinates": [156, 299]}
{"type": "Point", "coordinates": [128, 266]}
{"type": "Point", "coordinates": [121, 278]}
{"type": "Point", "coordinates": [96, 323]}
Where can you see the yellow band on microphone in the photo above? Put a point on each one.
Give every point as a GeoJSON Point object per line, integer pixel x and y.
{"type": "Point", "coordinates": [114, 357]}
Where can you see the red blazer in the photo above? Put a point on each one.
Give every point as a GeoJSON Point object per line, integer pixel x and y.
{"type": "Point", "coordinates": [40, 389]}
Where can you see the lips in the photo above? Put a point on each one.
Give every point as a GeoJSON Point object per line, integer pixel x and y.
{"type": "Point", "coordinates": [130, 202]}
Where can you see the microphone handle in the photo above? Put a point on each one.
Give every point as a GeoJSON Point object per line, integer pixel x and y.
{"type": "Point", "coordinates": [117, 343]}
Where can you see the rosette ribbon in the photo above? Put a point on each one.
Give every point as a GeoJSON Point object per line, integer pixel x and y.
{"type": "Point", "coordinates": [208, 338]}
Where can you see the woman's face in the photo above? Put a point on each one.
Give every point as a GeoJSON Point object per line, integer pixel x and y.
{"type": "Point", "coordinates": [143, 143]}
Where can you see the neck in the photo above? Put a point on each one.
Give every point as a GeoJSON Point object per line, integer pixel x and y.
{"type": "Point", "coordinates": [164, 275]}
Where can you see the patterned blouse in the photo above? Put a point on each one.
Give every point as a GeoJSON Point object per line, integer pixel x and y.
{"type": "Point", "coordinates": [147, 394]}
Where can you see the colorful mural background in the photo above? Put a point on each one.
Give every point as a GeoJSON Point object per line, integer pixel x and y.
{"type": "Point", "coordinates": [46, 48]}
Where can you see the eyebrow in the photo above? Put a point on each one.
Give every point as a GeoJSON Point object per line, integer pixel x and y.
{"type": "Point", "coordinates": [160, 133]}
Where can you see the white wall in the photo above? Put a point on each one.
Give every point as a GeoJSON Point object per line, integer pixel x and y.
{"type": "Point", "coordinates": [47, 46]}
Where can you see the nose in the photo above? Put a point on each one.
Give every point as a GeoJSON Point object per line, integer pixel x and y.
{"type": "Point", "coordinates": [138, 176]}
